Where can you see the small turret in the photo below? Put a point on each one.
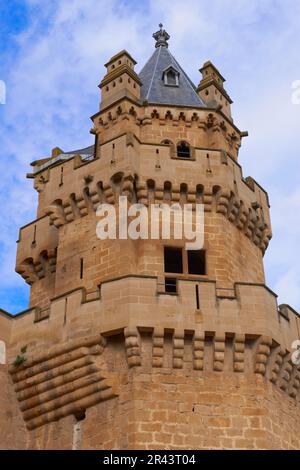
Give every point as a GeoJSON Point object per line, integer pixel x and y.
{"type": "Point", "coordinates": [211, 88]}
{"type": "Point", "coordinates": [120, 80]}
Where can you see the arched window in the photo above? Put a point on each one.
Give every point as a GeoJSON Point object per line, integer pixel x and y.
{"type": "Point", "coordinates": [171, 76]}
{"type": "Point", "coordinates": [151, 191]}
{"type": "Point", "coordinates": [168, 191]}
{"type": "Point", "coordinates": [183, 150]}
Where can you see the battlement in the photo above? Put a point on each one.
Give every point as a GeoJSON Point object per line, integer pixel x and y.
{"type": "Point", "coordinates": [240, 331]}
{"type": "Point", "coordinates": [207, 127]}
{"type": "Point", "coordinates": [247, 308]}
{"type": "Point", "coordinates": [127, 166]}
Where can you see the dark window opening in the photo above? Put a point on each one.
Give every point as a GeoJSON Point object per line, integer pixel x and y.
{"type": "Point", "coordinates": [33, 243]}
{"type": "Point", "coordinates": [183, 150]}
{"type": "Point", "coordinates": [196, 262]}
{"type": "Point", "coordinates": [81, 268]}
{"type": "Point", "coordinates": [80, 415]}
{"type": "Point", "coordinates": [170, 285]}
{"type": "Point", "coordinates": [173, 260]}
{"type": "Point", "coordinates": [197, 297]}
{"type": "Point", "coordinates": [171, 78]}
{"type": "Point", "coordinates": [61, 176]}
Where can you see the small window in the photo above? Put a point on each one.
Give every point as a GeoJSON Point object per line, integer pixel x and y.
{"type": "Point", "coordinates": [183, 150]}
{"type": "Point", "coordinates": [170, 285]}
{"type": "Point", "coordinates": [81, 268]}
{"type": "Point", "coordinates": [196, 262]}
{"type": "Point", "coordinates": [173, 260]}
{"type": "Point", "coordinates": [171, 76]}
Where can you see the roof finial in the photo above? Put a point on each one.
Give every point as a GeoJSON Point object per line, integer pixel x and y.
{"type": "Point", "coordinates": [161, 36]}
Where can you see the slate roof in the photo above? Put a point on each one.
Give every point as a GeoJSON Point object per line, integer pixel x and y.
{"type": "Point", "coordinates": [155, 91]}
{"type": "Point", "coordinates": [87, 153]}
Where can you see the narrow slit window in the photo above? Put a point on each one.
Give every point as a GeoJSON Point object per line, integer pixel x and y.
{"type": "Point", "coordinates": [77, 430]}
{"type": "Point", "coordinates": [197, 297]}
{"type": "Point", "coordinates": [33, 243]}
{"type": "Point", "coordinates": [196, 262]}
{"type": "Point", "coordinates": [173, 260]}
{"type": "Point", "coordinates": [81, 268]}
{"type": "Point", "coordinates": [61, 176]}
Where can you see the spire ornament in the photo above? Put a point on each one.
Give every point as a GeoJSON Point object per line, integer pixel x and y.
{"type": "Point", "coordinates": [161, 36]}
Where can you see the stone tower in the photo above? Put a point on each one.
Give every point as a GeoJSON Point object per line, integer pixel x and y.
{"type": "Point", "coordinates": [141, 343]}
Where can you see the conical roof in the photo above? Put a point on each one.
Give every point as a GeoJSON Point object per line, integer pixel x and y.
{"type": "Point", "coordinates": [155, 90]}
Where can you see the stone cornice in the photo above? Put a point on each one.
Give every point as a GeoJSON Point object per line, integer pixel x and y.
{"type": "Point", "coordinates": [225, 202]}
{"type": "Point", "coordinates": [120, 54]}
{"type": "Point", "coordinates": [60, 380]}
{"type": "Point", "coordinates": [120, 71]}
{"type": "Point", "coordinates": [57, 383]}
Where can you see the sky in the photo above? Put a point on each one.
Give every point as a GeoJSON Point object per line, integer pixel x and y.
{"type": "Point", "coordinates": [52, 57]}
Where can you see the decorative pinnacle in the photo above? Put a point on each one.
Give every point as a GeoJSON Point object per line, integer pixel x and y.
{"type": "Point", "coordinates": [161, 37]}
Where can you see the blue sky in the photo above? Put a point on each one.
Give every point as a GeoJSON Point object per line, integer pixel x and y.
{"type": "Point", "coordinates": [52, 56]}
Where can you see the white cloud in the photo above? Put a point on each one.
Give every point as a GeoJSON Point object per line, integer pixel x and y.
{"type": "Point", "coordinates": [287, 287]}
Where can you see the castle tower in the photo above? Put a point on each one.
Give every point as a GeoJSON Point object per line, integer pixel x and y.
{"type": "Point", "coordinates": [211, 88]}
{"type": "Point", "coordinates": [141, 343]}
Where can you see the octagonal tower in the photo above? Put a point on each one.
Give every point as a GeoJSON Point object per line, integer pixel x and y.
{"type": "Point", "coordinates": [142, 343]}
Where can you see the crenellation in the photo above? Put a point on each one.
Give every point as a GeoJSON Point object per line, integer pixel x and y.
{"type": "Point", "coordinates": [219, 352]}
{"type": "Point", "coordinates": [239, 353]}
{"type": "Point", "coordinates": [158, 347]}
{"type": "Point", "coordinates": [262, 354]}
{"type": "Point", "coordinates": [285, 373]}
{"type": "Point", "coordinates": [178, 349]}
{"type": "Point", "coordinates": [278, 361]}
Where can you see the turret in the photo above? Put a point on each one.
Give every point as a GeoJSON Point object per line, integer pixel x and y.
{"type": "Point", "coordinates": [120, 80]}
{"type": "Point", "coordinates": [211, 88]}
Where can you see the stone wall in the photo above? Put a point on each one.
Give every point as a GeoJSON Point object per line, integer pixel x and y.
{"type": "Point", "coordinates": [157, 373]}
